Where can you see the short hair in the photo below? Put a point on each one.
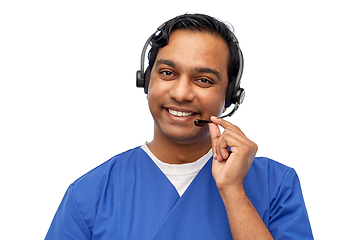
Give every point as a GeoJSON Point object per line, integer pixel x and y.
{"type": "Point", "coordinates": [196, 22]}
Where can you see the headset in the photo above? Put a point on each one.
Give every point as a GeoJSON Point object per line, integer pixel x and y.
{"type": "Point", "coordinates": [234, 95]}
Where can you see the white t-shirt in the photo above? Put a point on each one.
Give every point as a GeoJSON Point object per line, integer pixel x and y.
{"type": "Point", "coordinates": [180, 175]}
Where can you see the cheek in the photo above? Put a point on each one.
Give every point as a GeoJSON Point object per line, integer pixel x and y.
{"type": "Point", "coordinates": [156, 87]}
{"type": "Point", "coordinates": [155, 95]}
{"type": "Point", "coordinates": [215, 102]}
{"type": "Point", "coordinates": [221, 108]}
{"type": "Point", "coordinates": [152, 99]}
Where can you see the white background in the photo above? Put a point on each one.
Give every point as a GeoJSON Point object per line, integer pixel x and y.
{"type": "Point", "coordinates": [68, 99]}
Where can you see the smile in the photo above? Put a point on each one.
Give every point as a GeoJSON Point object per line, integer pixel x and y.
{"type": "Point", "coordinates": [180, 114]}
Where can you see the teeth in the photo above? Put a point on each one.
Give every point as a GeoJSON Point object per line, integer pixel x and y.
{"type": "Point", "coordinates": [180, 114]}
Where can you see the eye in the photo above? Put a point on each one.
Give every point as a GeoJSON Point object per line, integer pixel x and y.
{"type": "Point", "coordinates": [204, 82]}
{"type": "Point", "coordinates": [167, 74]}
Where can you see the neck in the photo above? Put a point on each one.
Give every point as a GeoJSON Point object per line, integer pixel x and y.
{"type": "Point", "coordinates": [178, 152]}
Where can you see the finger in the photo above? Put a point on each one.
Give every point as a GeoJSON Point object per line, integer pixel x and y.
{"type": "Point", "coordinates": [220, 142]}
{"type": "Point", "coordinates": [225, 124]}
{"type": "Point", "coordinates": [215, 135]}
{"type": "Point", "coordinates": [229, 138]}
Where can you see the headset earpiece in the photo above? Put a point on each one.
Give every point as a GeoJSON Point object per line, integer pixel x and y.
{"type": "Point", "coordinates": [147, 79]}
{"type": "Point", "coordinates": [229, 94]}
{"type": "Point", "coordinates": [140, 81]}
{"type": "Point", "coordinates": [234, 94]}
{"type": "Point", "coordinates": [239, 96]}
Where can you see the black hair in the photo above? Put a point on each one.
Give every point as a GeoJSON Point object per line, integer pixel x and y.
{"type": "Point", "coordinates": [196, 22]}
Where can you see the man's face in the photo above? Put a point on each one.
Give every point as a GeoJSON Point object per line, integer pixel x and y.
{"type": "Point", "coordinates": [188, 81]}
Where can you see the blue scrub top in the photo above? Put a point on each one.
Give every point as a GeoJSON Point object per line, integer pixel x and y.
{"type": "Point", "coordinates": [128, 197]}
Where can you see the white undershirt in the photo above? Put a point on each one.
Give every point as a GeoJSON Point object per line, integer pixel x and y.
{"type": "Point", "coordinates": [180, 175]}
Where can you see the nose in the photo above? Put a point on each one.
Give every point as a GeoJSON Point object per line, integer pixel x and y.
{"type": "Point", "coordinates": [182, 90]}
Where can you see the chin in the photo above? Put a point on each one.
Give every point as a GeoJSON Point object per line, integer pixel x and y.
{"type": "Point", "coordinates": [186, 136]}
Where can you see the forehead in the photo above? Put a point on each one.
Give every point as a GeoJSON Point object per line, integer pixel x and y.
{"type": "Point", "coordinates": [194, 49]}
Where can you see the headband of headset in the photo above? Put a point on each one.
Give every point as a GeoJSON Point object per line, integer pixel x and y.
{"type": "Point", "coordinates": [235, 94]}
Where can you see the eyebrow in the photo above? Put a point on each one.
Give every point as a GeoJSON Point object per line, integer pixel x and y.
{"type": "Point", "coordinates": [198, 69]}
{"type": "Point", "coordinates": [208, 70]}
{"type": "Point", "coordinates": [166, 62]}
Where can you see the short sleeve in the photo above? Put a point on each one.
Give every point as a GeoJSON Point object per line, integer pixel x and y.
{"type": "Point", "coordinates": [288, 215]}
{"type": "Point", "coordinates": [68, 222]}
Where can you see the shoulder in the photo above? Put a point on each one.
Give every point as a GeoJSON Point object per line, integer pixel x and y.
{"type": "Point", "coordinates": [265, 179]}
{"type": "Point", "coordinates": [268, 167]}
{"type": "Point", "coordinates": [276, 193]}
{"type": "Point", "coordinates": [93, 188]}
{"type": "Point", "coordinates": [106, 167]}
{"type": "Point", "coordinates": [272, 174]}
{"type": "Point", "coordinates": [81, 202]}
{"type": "Point", "coordinates": [269, 163]}
{"type": "Point", "coordinates": [94, 181]}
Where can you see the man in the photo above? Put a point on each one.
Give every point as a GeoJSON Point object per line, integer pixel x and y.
{"type": "Point", "coordinates": [189, 182]}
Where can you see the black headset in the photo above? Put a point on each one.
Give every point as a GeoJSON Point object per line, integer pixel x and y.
{"type": "Point", "coordinates": [234, 95]}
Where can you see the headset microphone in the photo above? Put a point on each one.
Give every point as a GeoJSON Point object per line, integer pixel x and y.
{"type": "Point", "coordinates": [200, 123]}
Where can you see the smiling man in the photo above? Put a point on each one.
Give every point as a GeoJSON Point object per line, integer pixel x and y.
{"type": "Point", "coordinates": [189, 182]}
{"type": "Point", "coordinates": [188, 82]}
